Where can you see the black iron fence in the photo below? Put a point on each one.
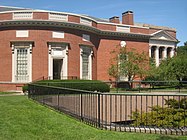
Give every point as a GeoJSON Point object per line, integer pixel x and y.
{"type": "Point", "coordinates": [137, 112]}
{"type": "Point", "coordinates": [148, 86]}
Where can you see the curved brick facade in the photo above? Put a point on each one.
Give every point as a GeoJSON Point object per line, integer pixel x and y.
{"type": "Point", "coordinates": [42, 28]}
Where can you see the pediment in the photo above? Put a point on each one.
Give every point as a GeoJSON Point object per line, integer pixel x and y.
{"type": "Point", "coordinates": [163, 35]}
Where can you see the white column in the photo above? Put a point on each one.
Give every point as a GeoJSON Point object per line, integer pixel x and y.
{"type": "Point", "coordinates": [165, 53]}
{"type": "Point", "coordinates": [13, 64]}
{"type": "Point", "coordinates": [157, 56]}
{"type": "Point", "coordinates": [172, 52]}
{"type": "Point", "coordinates": [65, 63]}
{"type": "Point", "coordinates": [30, 63]}
{"type": "Point", "coordinates": [90, 65]}
{"type": "Point", "coordinates": [81, 52]}
{"type": "Point", "coordinates": [150, 51]}
{"type": "Point", "coordinates": [50, 64]}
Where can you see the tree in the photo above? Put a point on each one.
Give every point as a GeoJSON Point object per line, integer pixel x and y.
{"type": "Point", "coordinates": [130, 64]}
{"type": "Point", "coordinates": [182, 50]}
{"type": "Point", "coordinates": [172, 68]}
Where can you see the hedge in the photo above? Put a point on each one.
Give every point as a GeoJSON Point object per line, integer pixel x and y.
{"type": "Point", "coordinates": [90, 85]}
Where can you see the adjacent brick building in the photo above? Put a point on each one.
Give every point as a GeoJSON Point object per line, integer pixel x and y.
{"type": "Point", "coordinates": [58, 45]}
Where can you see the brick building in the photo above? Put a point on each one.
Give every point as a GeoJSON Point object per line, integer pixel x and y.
{"type": "Point", "coordinates": [59, 45]}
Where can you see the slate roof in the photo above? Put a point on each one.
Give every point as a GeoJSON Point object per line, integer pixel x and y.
{"type": "Point", "coordinates": [7, 8]}
{"type": "Point", "coordinates": [97, 19]}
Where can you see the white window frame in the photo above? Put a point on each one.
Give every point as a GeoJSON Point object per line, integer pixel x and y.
{"type": "Point", "coordinates": [15, 46]}
{"type": "Point", "coordinates": [64, 55]}
{"type": "Point", "coordinates": [90, 62]}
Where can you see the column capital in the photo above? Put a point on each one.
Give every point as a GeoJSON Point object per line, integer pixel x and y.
{"type": "Point", "coordinates": [157, 47]}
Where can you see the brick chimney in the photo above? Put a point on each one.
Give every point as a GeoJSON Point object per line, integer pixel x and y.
{"type": "Point", "coordinates": [114, 19]}
{"type": "Point", "coordinates": [127, 18]}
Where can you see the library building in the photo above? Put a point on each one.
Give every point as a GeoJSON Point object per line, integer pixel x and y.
{"type": "Point", "coordinates": [41, 44]}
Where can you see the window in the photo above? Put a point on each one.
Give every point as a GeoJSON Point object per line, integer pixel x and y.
{"type": "Point", "coordinates": [58, 16]}
{"type": "Point", "coordinates": [22, 15]}
{"type": "Point", "coordinates": [85, 37]}
{"type": "Point", "coordinates": [86, 21]}
{"type": "Point", "coordinates": [86, 63]}
{"type": "Point", "coordinates": [22, 62]}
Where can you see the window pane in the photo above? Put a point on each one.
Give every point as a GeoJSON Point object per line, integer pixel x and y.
{"type": "Point", "coordinates": [22, 65]}
{"type": "Point", "coordinates": [85, 66]}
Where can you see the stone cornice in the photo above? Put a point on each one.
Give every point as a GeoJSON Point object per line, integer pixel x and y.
{"type": "Point", "coordinates": [47, 23]}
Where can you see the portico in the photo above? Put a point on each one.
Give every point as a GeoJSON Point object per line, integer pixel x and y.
{"type": "Point", "coordinates": [161, 46]}
{"type": "Point", "coordinates": [159, 53]}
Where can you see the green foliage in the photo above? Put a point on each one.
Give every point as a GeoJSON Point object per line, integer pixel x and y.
{"type": "Point", "coordinates": [182, 50]}
{"type": "Point", "coordinates": [128, 63]}
{"type": "Point", "coordinates": [174, 114]}
{"type": "Point", "coordinates": [170, 69]}
{"type": "Point", "coordinates": [25, 88]}
{"type": "Point", "coordinates": [90, 85]}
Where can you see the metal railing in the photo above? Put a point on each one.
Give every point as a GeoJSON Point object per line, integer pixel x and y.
{"type": "Point", "coordinates": [148, 86]}
{"type": "Point", "coordinates": [149, 113]}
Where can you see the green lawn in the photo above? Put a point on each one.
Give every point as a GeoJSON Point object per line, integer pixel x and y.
{"type": "Point", "coordinates": [21, 118]}
{"type": "Point", "coordinates": [2, 93]}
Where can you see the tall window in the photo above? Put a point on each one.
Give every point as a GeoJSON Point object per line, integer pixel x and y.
{"type": "Point", "coordinates": [22, 64]}
{"type": "Point", "coordinates": [86, 63]}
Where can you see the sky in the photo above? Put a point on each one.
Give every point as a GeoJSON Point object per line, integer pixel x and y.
{"type": "Point", "coordinates": [171, 13]}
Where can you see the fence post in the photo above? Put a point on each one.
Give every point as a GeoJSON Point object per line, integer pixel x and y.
{"type": "Point", "coordinates": [81, 109]}
{"type": "Point", "coordinates": [99, 110]}
{"type": "Point", "coordinates": [29, 91]}
{"type": "Point", "coordinates": [58, 100]}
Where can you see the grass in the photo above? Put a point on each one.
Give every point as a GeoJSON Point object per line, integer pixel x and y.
{"type": "Point", "coordinates": [22, 118]}
{"type": "Point", "coordinates": [3, 93]}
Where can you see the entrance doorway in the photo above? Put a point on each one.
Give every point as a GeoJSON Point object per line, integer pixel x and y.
{"type": "Point", "coordinates": [57, 68]}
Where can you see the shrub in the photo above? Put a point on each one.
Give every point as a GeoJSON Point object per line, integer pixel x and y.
{"type": "Point", "coordinates": [25, 88]}
{"type": "Point", "coordinates": [90, 85]}
{"type": "Point", "coordinates": [174, 115]}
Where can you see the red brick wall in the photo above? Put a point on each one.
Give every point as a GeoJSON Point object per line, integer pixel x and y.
{"type": "Point", "coordinates": [41, 36]}
{"type": "Point", "coordinates": [104, 53]}
{"type": "Point", "coordinates": [6, 54]}
{"type": "Point", "coordinates": [6, 16]}
{"type": "Point", "coordinates": [40, 15]}
{"type": "Point", "coordinates": [73, 19]}
{"type": "Point", "coordinates": [94, 24]}
{"type": "Point", "coordinates": [139, 30]}
{"type": "Point", "coordinates": [106, 27]}
{"type": "Point", "coordinates": [10, 87]}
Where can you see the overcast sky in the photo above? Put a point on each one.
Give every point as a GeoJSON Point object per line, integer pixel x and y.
{"type": "Point", "coordinates": [172, 13]}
